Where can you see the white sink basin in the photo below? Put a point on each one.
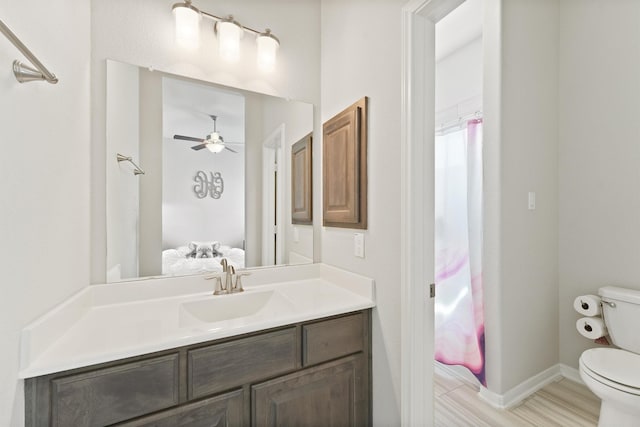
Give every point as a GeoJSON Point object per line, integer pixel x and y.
{"type": "Point", "coordinates": [221, 308]}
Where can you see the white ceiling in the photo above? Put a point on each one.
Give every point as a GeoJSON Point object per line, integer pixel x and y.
{"type": "Point", "coordinates": [187, 106]}
{"type": "Point", "coordinates": [458, 28]}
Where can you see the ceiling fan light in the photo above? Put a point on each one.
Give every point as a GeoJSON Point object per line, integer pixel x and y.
{"type": "Point", "coordinates": [215, 147]}
{"type": "Point", "coordinates": [187, 25]}
{"type": "Point", "coordinates": [214, 137]}
{"type": "Point", "coordinates": [229, 33]}
{"type": "Point", "coordinates": [267, 49]}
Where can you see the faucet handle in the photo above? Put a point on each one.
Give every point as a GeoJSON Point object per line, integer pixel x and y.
{"type": "Point", "coordinates": [218, 288]}
{"type": "Point", "coordinates": [225, 264]}
{"type": "Point", "coordinates": [238, 287]}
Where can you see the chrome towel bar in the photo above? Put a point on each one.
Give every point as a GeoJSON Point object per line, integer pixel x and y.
{"type": "Point", "coordinates": [123, 158]}
{"type": "Point", "coordinates": [23, 72]}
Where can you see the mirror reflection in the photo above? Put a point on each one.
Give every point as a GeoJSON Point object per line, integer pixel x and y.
{"type": "Point", "coordinates": [217, 176]}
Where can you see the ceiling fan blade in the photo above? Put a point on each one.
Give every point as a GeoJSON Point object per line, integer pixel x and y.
{"type": "Point", "coordinates": [199, 147]}
{"type": "Point", "coordinates": [230, 149]}
{"type": "Point", "coordinates": [188, 138]}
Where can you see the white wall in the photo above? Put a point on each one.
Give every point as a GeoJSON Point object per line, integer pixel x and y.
{"type": "Point", "coordinates": [298, 122]}
{"type": "Point", "coordinates": [123, 195]}
{"type": "Point", "coordinates": [599, 154]}
{"type": "Point", "coordinates": [141, 33]}
{"type": "Point", "coordinates": [188, 218]}
{"type": "Point", "coordinates": [522, 290]}
{"type": "Point", "coordinates": [44, 223]}
{"type": "Point", "coordinates": [361, 57]}
{"type": "Point", "coordinates": [459, 82]}
{"type": "Point", "coordinates": [150, 227]}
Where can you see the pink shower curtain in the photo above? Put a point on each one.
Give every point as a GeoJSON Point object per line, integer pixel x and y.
{"type": "Point", "coordinates": [459, 317]}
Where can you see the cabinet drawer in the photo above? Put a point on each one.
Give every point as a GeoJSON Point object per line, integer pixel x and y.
{"type": "Point", "coordinates": [331, 339]}
{"type": "Point", "coordinates": [111, 395]}
{"type": "Point", "coordinates": [221, 411]}
{"type": "Point", "coordinates": [223, 366]}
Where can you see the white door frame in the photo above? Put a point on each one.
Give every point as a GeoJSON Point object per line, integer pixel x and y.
{"type": "Point", "coordinates": [272, 155]}
{"type": "Point", "coordinates": [417, 206]}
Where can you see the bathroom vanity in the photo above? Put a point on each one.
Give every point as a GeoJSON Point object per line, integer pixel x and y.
{"type": "Point", "coordinates": [295, 349]}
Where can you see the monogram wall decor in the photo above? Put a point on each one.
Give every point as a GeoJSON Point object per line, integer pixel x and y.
{"type": "Point", "coordinates": [212, 185]}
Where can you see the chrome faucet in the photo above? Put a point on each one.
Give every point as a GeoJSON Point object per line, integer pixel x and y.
{"type": "Point", "coordinates": [232, 282]}
{"type": "Point", "coordinates": [228, 279]}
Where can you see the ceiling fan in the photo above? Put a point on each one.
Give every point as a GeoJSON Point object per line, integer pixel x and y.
{"type": "Point", "coordinates": [213, 141]}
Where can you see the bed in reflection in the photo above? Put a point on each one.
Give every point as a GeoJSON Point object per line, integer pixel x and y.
{"type": "Point", "coordinates": [200, 257]}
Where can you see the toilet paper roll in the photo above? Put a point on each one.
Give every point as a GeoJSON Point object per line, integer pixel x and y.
{"type": "Point", "coordinates": [591, 327]}
{"type": "Point", "coordinates": [588, 305]}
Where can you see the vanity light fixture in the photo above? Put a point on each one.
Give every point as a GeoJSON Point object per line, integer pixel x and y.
{"type": "Point", "coordinates": [267, 48]}
{"type": "Point", "coordinates": [187, 24]}
{"type": "Point", "coordinates": [229, 32]}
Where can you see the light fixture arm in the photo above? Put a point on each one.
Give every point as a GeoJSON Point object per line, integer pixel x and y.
{"type": "Point", "coordinates": [229, 18]}
{"type": "Point", "coordinates": [217, 18]}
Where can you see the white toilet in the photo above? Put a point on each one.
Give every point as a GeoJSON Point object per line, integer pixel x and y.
{"type": "Point", "coordinates": [613, 374]}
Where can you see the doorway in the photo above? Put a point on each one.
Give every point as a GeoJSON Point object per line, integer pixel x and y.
{"type": "Point", "coordinates": [272, 200]}
{"type": "Point", "coordinates": [417, 200]}
{"type": "Point", "coordinates": [459, 302]}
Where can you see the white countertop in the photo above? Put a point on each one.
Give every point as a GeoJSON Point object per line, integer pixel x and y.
{"type": "Point", "coordinates": [108, 322]}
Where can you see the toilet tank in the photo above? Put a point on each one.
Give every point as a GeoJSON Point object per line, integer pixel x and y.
{"type": "Point", "coordinates": [621, 312]}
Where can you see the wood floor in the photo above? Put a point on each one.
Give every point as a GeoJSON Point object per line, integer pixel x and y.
{"type": "Point", "coordinates": [563, 403]}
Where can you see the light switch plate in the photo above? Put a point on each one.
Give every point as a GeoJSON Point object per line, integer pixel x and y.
{"type": "Point", "coordinates": [358, 245]}
{"type": "Point", "coordinates": [532, 200]}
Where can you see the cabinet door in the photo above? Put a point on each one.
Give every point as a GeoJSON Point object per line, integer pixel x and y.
{"type": "Point", "coordinates": [110, 395]}
{"type": "Point", "coordinates": [221, 411]}
{"type": "Point", "coordinates": [329, 395]}
{"type": "Point", "coordinates": [344, 168]}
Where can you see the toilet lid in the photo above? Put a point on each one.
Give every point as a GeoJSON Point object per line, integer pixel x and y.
{"type": "Point", "coordinates": [620, 366]}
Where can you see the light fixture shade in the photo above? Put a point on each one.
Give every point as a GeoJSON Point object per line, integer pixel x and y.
{"type": "Point", "coordinates": [267, 49]}
{"type": "Point", "coordinates": [187, 25]}
{"type": "Point", "coordinates": [229, 33]}
{"type": "Point", "coordinates": [215, 147]}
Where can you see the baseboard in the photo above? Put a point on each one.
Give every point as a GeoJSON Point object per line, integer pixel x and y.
{"type": "Point", "coordinates": [522, 390]}
{"type": "Point", "coordinates": [459, 372]}
{"type": "Point", "coordinates": [571, 373]}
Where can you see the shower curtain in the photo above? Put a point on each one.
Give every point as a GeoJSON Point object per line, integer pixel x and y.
{"type": "Point", "coordinates": [459, 317]}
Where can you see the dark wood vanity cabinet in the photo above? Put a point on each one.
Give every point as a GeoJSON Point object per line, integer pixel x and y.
{"type": "Point", "coordinates": [315, 373]}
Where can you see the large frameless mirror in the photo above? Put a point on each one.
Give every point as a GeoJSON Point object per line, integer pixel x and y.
{"type": "Point", "coordinates": [216, 181]}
